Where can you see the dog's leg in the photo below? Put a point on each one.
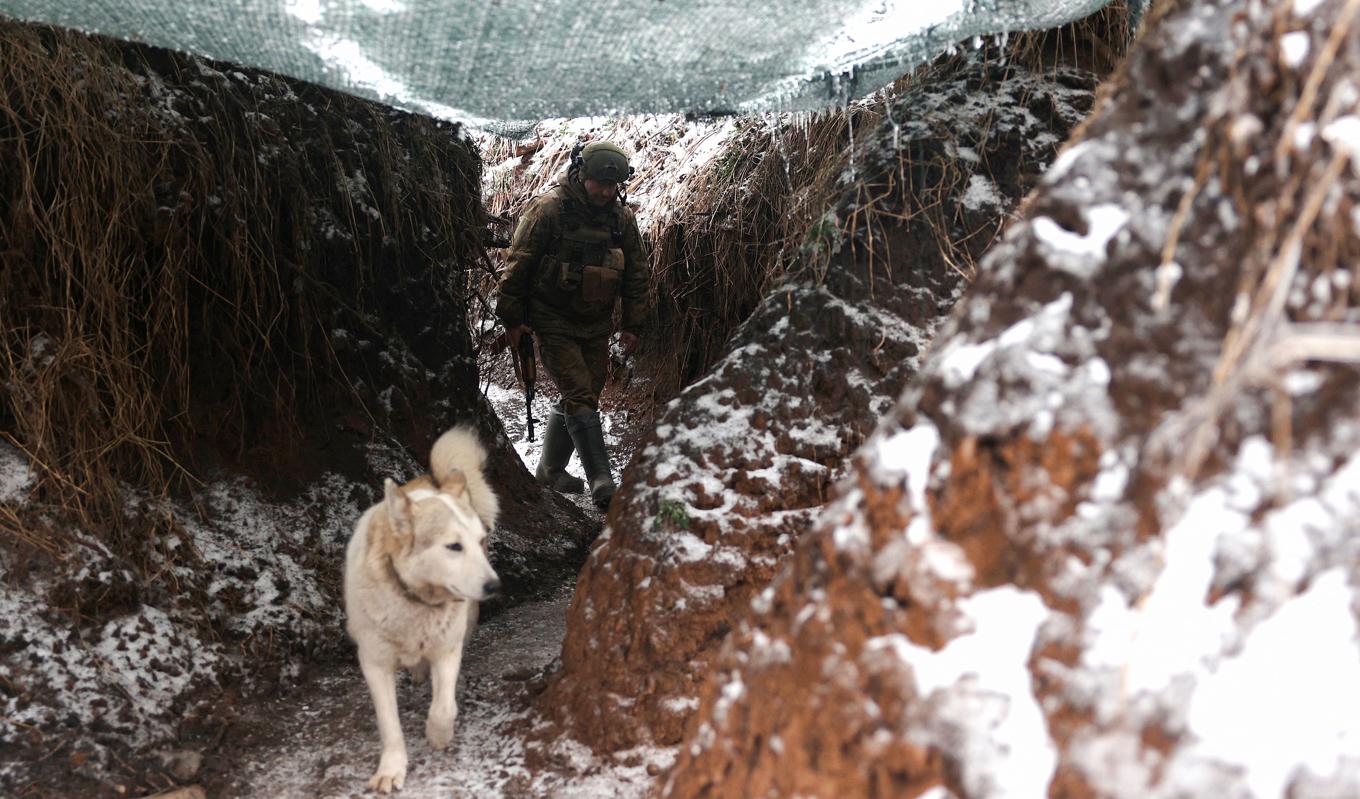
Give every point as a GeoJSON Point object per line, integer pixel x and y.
{"type": "Point", "coordinates": [382, 684]}
{"type": "Point", "coordinates": [443, 703]}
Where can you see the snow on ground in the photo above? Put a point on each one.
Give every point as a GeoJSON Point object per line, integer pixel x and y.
{"type": "Point", "coordinates": [327, 739]}
{"type": "Point", "coordinates": [16, 479]}
{"type": "Point", "coordinates": [244, 564]}
{"type": "Point", "coordinates": [261, 571]}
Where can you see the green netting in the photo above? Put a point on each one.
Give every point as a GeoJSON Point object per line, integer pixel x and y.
{"type": "Point", "coordinates": [495, 63]}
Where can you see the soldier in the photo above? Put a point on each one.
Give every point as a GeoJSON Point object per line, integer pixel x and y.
{"type": "Point", "coordinates": [575, 253]}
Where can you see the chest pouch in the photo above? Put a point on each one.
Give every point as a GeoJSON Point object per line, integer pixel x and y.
{"type": "Point", "coordinates": [575, 257]}
{"type": "Point", "coordinates": [600, 284]}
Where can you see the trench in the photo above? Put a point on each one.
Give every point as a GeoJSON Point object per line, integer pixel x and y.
{"type": "Point", "coordinates": [319, 738]}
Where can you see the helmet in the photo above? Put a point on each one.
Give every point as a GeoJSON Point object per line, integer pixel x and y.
{"type": "Point", "coordinates": [605, 162]}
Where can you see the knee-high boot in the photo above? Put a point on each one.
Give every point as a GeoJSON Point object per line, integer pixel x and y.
{"type": "Point", "coordinates": [557, 449]}
{"type": "Point", "coordinates": [588, 437]}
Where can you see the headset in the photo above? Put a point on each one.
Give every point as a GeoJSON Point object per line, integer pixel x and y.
{"type": "Point", "coordinates": [577, 161]}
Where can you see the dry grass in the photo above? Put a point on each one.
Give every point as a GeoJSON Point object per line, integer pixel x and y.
{"type": "Point", "coordinates": [1096, 43]}
{"type": "Point", "coordinates": [1307, 234]}
{"type": "Point", "coordinates": [163, 273]}
{"type": "Point", "coordinates": [757, 213]}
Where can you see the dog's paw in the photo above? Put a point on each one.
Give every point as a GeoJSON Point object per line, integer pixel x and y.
{"type": "Point", "coordinates": [438, 732]}
{"type": "Point", "coordinates": [391, 773]}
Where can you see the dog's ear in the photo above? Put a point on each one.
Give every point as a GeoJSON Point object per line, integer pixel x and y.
{"type": "Point", "coordinates": [399, 511]}
{"type": "Point", "coordinates": [455, 483]}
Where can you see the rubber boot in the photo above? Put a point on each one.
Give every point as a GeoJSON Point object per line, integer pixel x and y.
{"type": "Point", "coordinates": [589, 439]}
{"type": "Point", "coordinates": [557, 449]}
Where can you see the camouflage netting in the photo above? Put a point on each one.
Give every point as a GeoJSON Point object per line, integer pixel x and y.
{"type": "Point", "coordinates": [494, 63]}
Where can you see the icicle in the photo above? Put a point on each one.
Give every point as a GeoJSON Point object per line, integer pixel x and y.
{"type": "Point", "coordinates": [850, 131]}
{"type": "Point", "coordinates": [896, 129]}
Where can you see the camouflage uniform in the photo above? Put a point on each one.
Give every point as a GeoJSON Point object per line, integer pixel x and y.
{"type": "Point", "coordinates": [569, 264]}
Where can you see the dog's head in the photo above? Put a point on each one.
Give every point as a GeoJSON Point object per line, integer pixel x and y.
{"type": "Point", "coordinates": [438, 542]}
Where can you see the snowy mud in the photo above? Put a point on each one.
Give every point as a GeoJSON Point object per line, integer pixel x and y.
{"type": "Point", "coordinates": [321, 740]}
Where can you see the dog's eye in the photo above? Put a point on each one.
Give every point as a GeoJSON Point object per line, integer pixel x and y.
{"type": "Point", "coordinates": [456, 546]}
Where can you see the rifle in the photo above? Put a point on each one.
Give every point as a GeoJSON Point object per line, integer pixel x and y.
{"type": "Point", "coordinates": [527, 370]}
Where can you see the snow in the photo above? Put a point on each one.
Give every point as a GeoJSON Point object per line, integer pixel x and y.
{"type": "Point", "coordinates": [1065, 160]}
{"type": "Point", "coordinates": [1309, 720]}
{"type": "Point", "coordinates": [1305, 8]}
{"type": "Point", "coordinates": [980, 685]}
{"type": "Point", "coordinates": [1294, 48]}
{"type": "Point", "coordinates": [1173, 630]}
{"type": "Point", "coordinates": [907, 454]}
{"type": "Point", "coordinates": [960, 361]}
{"type": "Point", "coordinates": [982, 195]}
{"type": "Point", "coordinates": [16, 478]}
{"type": "Point", "coordinates": [151, 660]}
{"type": "Point", "coordinates": [329, 742]}
{"type": "Point", "coordinates": [1294, 653]}
{"type": "Point", "coordinates": [1104, 221]}
{"type": "Point", "coordinates": [1344, 134]}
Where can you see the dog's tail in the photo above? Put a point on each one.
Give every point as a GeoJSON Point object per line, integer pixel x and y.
{"type": "Point", "coordinates": [460, 450]}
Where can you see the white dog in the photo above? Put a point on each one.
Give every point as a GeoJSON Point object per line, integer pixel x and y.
{"type": "Point", "coordinates": [414, 571]}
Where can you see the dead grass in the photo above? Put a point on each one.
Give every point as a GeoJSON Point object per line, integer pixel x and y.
{"type": "Point", "coordinates": [1096, 43]}
{"type": "Point", "coordinates": [1301, 222]}
{"type": "Point", "coordinates": [165, 274]}
{"type": "Point", "coordinates": [757, 214]}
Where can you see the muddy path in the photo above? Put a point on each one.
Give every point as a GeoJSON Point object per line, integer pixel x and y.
{"type": "Point", "coordinates": [320, 738]}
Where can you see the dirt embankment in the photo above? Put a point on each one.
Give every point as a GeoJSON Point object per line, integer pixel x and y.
{"type": "Point", "coordinates": [1106, 544]}
{"type": "Point", "coordinates": [719, 495]}
{"type": "Point", "coordinates": [232, 303]}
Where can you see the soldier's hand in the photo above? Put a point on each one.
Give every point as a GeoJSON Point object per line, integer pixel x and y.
{"type": "Point", "coordinates": [515, 333]}
{"type": "Point", "coordinates": [629, 342]}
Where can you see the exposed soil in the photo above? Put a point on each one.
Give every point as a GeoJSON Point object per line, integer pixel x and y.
{"type": "Point", "coordinates": [1063, 565]}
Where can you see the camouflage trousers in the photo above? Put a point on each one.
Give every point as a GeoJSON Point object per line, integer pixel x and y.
{"type": "Point", "coordinates": [578, 367]}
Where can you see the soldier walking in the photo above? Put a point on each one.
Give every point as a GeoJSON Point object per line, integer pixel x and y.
{"type": "Point", "coordinates": [575, 254]}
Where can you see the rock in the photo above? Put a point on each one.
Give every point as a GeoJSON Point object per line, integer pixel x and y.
{"type": "Point", "coordinates": [182, 764]}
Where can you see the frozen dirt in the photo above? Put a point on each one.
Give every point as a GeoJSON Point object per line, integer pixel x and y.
{"type": "Point", "coordinates": [321, 740]}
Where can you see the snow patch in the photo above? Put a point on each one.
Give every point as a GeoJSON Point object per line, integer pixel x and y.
{"type": "Point", "coordinates": [979, 687]}
{"type": "Point", "coordinates": [16, 478]}
{"type": "Point", "coordinates": [1083, 252]}
{"type": "Point", "coordinates": [1294, 48]}
{"type": "Point", "coordinates": [1301, 669]}
{"type": "Point", "coordinates": [982, 195]}
{"type": "Point", "coordinates": [1344, 134]}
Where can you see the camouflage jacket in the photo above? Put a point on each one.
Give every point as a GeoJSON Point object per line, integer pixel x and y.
{"type": "Point", "coordinates": [570, 263]}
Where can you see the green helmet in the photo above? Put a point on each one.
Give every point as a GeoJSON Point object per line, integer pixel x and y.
{"type": "Point", "coordinates": [605, 162]}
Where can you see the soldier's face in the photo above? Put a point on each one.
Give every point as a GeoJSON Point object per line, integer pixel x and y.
{"type": "Point", "coordinates": [601, 192]}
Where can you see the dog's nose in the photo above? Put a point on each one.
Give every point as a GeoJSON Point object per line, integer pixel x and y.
{"type": "Point", "coordinates": [491, 588]}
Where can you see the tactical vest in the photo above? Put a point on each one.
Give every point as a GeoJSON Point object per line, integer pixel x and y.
{"type": "Point", "coordinates": [582, 270]}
